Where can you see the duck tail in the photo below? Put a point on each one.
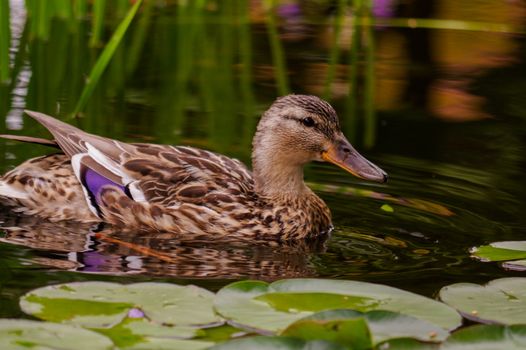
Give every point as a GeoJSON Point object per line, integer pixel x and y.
{"type": "Point", "coordinates": [29, 139]}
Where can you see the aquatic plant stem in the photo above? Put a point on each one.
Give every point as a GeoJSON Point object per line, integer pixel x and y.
{"type": "Point", "coordinates": [80, 9]}
{"type": "Point", "coordinates": [105, 57]}
{"type": "Point", "coordinates": [278, 56]}
{"type": "Point", "coordinates": [335, 48]}
{"type": "Point", "coordinates": [246, 78]}
{"type": "Point", "coordinates": [370, 112]}
{"type": "Point", "coordinates": [5, 39]}
{"type": "Point", "coordinates": [98, 22]}
{"type": "Point", "coordinates": [139, 37]}
{"type": "Point", "coordinates": [351, 105]}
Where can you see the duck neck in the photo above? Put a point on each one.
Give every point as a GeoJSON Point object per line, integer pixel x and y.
{"type": "Point", "coordinates": [277, 177]}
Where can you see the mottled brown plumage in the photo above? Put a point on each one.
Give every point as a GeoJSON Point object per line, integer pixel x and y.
{"type": "Point", "coordinates": [145, 187]}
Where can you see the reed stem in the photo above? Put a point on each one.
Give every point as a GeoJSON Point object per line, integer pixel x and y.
{"type": "Point", "coordinates": [5, 40]}
{"type": "Point", "coordinates": [278, 56]}
{"type": "Point", "coordinates": [105, 57]}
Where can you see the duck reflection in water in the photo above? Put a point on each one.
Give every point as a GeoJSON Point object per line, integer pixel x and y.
{"type": "Point", "coordinates": [78, 247]}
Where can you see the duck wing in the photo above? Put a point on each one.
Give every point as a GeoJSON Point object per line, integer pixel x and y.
{"type": "Point", "coordinates": [73, 141]}
{"type": "Point", "coordinates": [95, 159]}
{"type": "Point", "coordinates": [172, 175]}
{"type": "Point", "coordinates": [146, 173]}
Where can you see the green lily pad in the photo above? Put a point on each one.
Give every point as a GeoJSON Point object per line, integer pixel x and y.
{"type": "Point", "coordinates": [169, 344]}
{"type": "Point", "coordinates": [515, 265]}
{"type": "Point", "coordinates": [500, 301]}
{"type": "Point", "coordinates": [386, 325]}
{"type": "Point", "coordinates": [352, 333]}
{"type": "Point", "coordinates": [102, 304]}
{"type": "Point", "coordinates": [139, 333]}
{"type": "Point", "coordinates": [501, 251]}
{"type": "Point", "coordinates": [290, 302]}
{"type": "Point", "coordinates": [487, 337]}
{"type": "Point", "coordinates": [406, 344]}
{"type": "Point", "coordinates": [221, 333]}
{"type": "Point", "coordinates": [276, 343]}
{"type": "Point", "coordinates": [263, 307]}
{"type": "Point", "coordinates": [24, 334]}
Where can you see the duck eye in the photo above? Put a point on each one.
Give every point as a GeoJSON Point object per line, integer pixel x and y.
{"type": "Point", "coordinates": [309, 122]}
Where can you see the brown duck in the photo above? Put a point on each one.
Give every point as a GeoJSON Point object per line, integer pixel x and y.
{"type": "Point", "coordinates": [189, 191]}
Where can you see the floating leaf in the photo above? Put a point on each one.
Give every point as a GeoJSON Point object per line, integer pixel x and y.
{"type": "Point", "coordinates": [290, 302]}
{"type": "Point", "coordinates": [276, 343]}
{"type": "Point", "coordinates": [501, 251]}
{"type": "Point", "coordinates": [140, 333]}
{"type": "Point", "coordinates": [501, 300]}
{"type": "Point", "coordinates": [263, 307]}
{"type": "Point", "coordinates": [386, 325]}
{"type": "Point", "coordinates": [169, 344]}
{"type": "Point", "coordinates": [513, 245]}
{"type": "Point", "coordinates": [515, 265]}
{"type": "Point", "coordinates": [406, 344]}
{"type": "Point", "coordinates": [102, 304]}
{"type": "Point", "coordinates": [24, 334]}
{"type": "Point", "coordinates": [220, 333]}
{"type": "Point", "coordinates": [352, 333]}
{"type": "Point", "coordinates": [487, 337]}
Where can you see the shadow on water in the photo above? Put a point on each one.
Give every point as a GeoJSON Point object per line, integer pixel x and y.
{"type": "Point", "coordinates": [431, 91]}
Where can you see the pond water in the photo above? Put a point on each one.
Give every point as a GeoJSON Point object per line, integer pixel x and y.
{"type": "Point", "coordinates": [434, 94]}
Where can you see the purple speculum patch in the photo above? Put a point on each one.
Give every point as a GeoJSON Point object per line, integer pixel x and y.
{"type": "Point", "coordinates": [95, 182]}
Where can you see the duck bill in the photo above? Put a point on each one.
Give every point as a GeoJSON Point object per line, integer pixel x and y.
{"type": "Point", "coordinates": [343, 154]}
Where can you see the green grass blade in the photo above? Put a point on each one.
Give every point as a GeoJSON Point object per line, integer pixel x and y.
{"type": "Point", "coordinates": [98, 22]}
{"type": "Point", "coordinates": [351, 122]}
{"type": "Point", "coordinates": [246, 78]}
{"type": "Point", "coordinates": [105, 57]}
{"type": "Point", "coordinates": [5, 40]}
{"type": "Point", "coordinates": [43, 19]}
{"type": "Point", "coordinates": [80, 8]}
{"type": "Point", "coordinates": [139, 37]}
{"type": "Point", "coordinates": [370, 111]}
{"type": "Point", "coordinates": [278, 56]}
{"type": "Point", "coordinates": [335, 48]}
{"type": "Point", "coordinates": [63, 8]}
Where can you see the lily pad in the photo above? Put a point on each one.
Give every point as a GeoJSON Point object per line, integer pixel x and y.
{"type": "Point", "coordinates": [277, 343]}
{"type": "Point", "coordinates": [103, 304]}
{"type": "Point", "coordinates": [140, 333]}
{"type": "Point", "coordinates": [515, 265]}
{"type": "Point", "coordinates": [386, 325]}
{"type": "Point", "coordinates": [24, 334]}
{"type": "Point", "coordinates": [353, 333]}
{"type": "Point", "coordinates": [169, 344]}
{"type": "Point", "coordinates": [501, 251]}
{"type": "Point", "coordinates": [264, 307]}
{"type": "Point", "coordinates": [487, 337]}
{"type": "Point", "coordinates": [406, 344]}
{"type": "Point", "coordinates": [500, 301]}
{"type": "Point", "coordinates": [221, 333]}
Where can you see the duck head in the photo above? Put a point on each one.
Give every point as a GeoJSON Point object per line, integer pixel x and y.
{"type": "Point", "coordinates": [298, 129]}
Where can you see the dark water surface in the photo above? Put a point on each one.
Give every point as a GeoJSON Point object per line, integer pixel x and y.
{"type": "Point", "coordinates": [442, 110]}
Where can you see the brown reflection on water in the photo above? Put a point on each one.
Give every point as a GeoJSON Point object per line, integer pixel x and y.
{"type": "Point", "coordinates": [432, 69]}
{"type": "Point", "coordinates": [437, 67]}
{"type": "Point", "coordinates": [81, 248]}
